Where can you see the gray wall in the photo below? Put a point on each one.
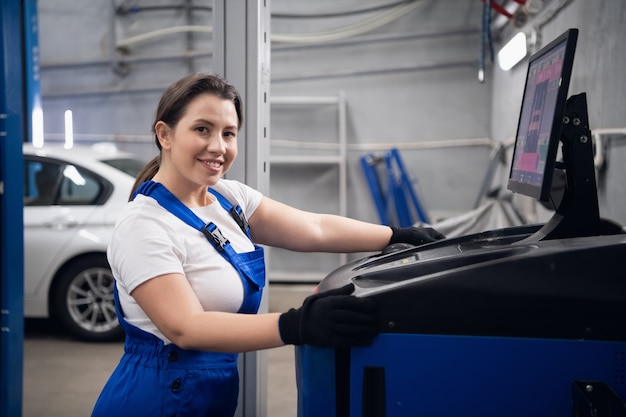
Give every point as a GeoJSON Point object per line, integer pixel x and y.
{"type": "Point", "coordinates": [408, 83]}
{"type": "Point", "coordinates": [112, 92]}
{"type": "Point", "coordinates": [419, 88]}
{"type": "Point", "coordinates": [599, 70]}
{"type": "Point", "coordinates": [411, 84]}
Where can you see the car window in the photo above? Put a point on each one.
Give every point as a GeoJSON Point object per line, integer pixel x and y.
{"type": "Point", "coordinates": [41, 181]}
{"type": "Point", "coordinates": [50, 183]}
{"type": "Point", "coordinates": [78, 187]}
{"type": "Point", "coordinates": [128, 165]}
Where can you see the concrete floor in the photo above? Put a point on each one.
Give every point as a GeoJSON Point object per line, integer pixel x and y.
{"type": "Point", "coordinates": [63, 377]}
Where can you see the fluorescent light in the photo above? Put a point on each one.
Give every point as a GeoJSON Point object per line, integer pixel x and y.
{"type": "Point", "coordinates": [513, 52]}
{"type": "Point", "coordinates": [69, 130]}
{"type": "Point", "coordinates": [37, 126]}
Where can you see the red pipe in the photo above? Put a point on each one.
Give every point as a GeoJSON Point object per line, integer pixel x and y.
{"type": "Point", "coordinates": [498, 8]}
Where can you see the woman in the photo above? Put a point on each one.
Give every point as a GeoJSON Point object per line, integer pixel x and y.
{"type": "Point", "coordinates": [189, 277]}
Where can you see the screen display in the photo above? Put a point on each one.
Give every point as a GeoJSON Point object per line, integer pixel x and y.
{"type": "Point", "coordinates": [537, 118]}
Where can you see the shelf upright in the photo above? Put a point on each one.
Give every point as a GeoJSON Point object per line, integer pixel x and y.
{"type": "Point", "coordinates": [333, 154]}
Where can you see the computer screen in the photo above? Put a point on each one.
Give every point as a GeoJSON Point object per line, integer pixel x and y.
{"type": "Point", "coordinates": [540, 120]}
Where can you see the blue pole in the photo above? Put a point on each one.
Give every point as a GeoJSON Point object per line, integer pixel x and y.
{"type": "Point", "coordinates": [12, 108]}
{"type": "Point", "coordinates": [34, 130]}
{"type": "Point", "coordinates": [368, 163]}
{"type": "Point", "coordinates": [406, 180]}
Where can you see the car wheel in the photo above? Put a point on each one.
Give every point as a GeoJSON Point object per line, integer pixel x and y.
{"type": "Point", "coordinates": [82, 300]}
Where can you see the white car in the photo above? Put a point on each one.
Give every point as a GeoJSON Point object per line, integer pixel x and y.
{"type": "Point", "coordinates": [71, 200]}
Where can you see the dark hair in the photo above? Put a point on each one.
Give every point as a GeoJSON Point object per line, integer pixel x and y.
{"type": "Point", "coordinates": [174, 102]}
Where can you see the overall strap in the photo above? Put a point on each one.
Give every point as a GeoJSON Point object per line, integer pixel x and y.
{"type": "Point", "coordinates": [172, 204]}
{"type": "Point", "coordinates": [249, 265]}
{"type": "Point", "coordinates": [169, 201]}
{"type": "Point", "coordinates": [235, 212]}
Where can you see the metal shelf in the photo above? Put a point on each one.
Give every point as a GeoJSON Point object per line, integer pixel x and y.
{"type": "Point", "coordinates": [325, 154]}
{"type": "Point", "coordinates": [313, 100]}
{"type": "Point", "coordinates": [306, 159]}
{"type": "Point", "coordinates": [337, 150]}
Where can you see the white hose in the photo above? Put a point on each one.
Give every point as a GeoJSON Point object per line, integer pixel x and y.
{"type": "Point", "coordinates": [358, 28]}
{"type": "Point", "coordinates": [162, 32]}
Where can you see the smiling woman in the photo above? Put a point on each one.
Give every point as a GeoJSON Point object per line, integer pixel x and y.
{"type": "Point", "coordinates": [190, 272]}
{"type": "Point", "coordinates": [207, 139]}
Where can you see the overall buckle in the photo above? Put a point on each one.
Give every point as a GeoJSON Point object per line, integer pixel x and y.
{"type": "Point", "coordinates": [215, 236]}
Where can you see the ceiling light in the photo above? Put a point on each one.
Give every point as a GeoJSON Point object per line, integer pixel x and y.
{"type": "Point", "coordinates": [69, 130]}
{"type": "Point", "coordinates": [37, 126]}
{"type": "Point", "coordinates": [513, 52]}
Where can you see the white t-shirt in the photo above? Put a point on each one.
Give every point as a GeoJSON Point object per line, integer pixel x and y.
{"type": "Point", "coordinates": [149, 241]}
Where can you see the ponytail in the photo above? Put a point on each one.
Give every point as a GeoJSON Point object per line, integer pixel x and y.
{"type": "Point", "coordinates": [147, 173]}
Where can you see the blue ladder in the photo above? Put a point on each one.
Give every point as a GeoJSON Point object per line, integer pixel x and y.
{"type": "Point", "coordinates": [399, 191]}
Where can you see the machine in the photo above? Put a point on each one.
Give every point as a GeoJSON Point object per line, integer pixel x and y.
{"type": "Point", "coordinates": [521, 321]}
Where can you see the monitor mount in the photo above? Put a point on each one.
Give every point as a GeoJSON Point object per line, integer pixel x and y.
{"type": "Point", "coordinates": [577, 214]}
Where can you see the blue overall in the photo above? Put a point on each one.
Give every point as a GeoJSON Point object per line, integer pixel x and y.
{"type": "Point", "coordinates": [154, 379]}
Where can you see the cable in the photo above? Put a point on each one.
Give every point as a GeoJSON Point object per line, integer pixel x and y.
{"type": "Point", "coordinates": [483, 36]}
{"type": "Point", "coordinates": [489, 38]}
{"type": "Point", "coordinates": [369, 24]}
{"type": "Point", "coordinates": [161, 32]}
{"type": "Point", "coordinates": [339, 14]}
{"type": "Point", "coordinates": [485, 39]}
{"type": "Point", "coordinates": [354, 29]}
{"type": "Point", "coordinates": [123, 10]}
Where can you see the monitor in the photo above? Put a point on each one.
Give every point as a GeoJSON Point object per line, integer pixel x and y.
{"type": "Point", "coordinates": [540, 120]}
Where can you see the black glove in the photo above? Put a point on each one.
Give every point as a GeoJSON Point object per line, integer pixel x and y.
{"type": "Point", "coordinates": [331, 319]}
{"type": "Point", "coordinates": [414, 235]}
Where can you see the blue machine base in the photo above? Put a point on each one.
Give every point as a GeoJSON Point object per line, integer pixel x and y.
{"type": "Point", "coordinates": [435, 375]}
